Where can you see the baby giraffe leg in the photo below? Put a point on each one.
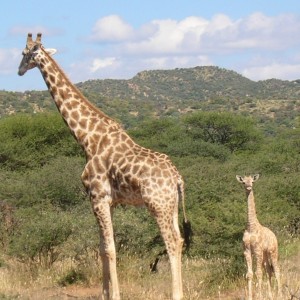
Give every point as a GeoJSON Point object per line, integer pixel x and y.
{"type": "Point", "coordinates": [249, 276]}
{"type": "Point", "coordinates": [276, 270]}
{"type": "Point", "coordinates": [259, 260]}
{"type": "Point", "coordinates": [269, 272]}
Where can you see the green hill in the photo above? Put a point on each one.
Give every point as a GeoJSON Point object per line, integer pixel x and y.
{"type": "Point", "coordinates": [171, 92]}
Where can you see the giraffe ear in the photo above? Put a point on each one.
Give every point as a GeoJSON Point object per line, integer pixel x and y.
{"type": "Point", "coordinates": [239, 178]}
{"type": "Point", "coordinates": [255, 177]}
{"type": "Point", "coordinates": [51, 51]}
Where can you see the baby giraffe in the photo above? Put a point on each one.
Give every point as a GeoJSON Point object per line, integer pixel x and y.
{"type": "Point", "coordinates": [260, 242]}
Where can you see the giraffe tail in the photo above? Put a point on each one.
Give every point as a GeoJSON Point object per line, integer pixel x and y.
{"type": "Point", "coordinates": [186, 224]}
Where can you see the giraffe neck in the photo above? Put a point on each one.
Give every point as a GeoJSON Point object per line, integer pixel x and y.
{"type": "Point", "coordinates": [252, 221]}
{"type": "Point", "coordinates": [86, 122]}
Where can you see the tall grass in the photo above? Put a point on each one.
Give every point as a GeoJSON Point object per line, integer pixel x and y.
{"type": "Point", "coordinates": [203, 279]}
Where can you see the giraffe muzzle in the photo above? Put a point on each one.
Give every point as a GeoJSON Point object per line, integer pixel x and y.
{"type": "Point", "coordinates": [21, 72]}
{"type": "Point", "coordinates": [23, 67]}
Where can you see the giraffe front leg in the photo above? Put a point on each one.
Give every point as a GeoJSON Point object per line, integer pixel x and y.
{"type": "Point", "coordinates": [249, 276]}
{"type": "Point", "coordinates": [102, 211]}
{"type": "Point", "coordinates": [259, 261]}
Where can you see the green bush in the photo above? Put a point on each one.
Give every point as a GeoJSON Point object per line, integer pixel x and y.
{"type": "Point", "coordinates": [31, 141]}
{"type": "Point", "coordinates": [55, 184]}
{"type": "Point", "coordinates": [40, 236]}
{"type": "Point", "coordinates": [59, 182]}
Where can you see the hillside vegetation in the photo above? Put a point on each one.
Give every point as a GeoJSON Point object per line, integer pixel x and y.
{"type": "Point", "coordinates": [172, 92]}
{"type": "Point", "coordinates": [45, 215]}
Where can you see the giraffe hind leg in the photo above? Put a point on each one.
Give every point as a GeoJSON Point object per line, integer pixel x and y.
{"type": "Point", "coordinates": [269, 271]}
{"type": "Point", "coordinates": [169, 228]}
{"type": "Point", "coordinates": [276, 271]}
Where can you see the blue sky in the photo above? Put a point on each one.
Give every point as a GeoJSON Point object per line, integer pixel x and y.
{"type": "Point", "coordinates": [259, 39]}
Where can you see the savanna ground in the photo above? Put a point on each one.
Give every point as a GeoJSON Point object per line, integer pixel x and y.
{"type": "Point", "coordinates": [201, 279]}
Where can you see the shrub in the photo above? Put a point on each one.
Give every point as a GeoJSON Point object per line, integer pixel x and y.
{"type": "Point", "coordinates": [40, 236]}
{"type": "Point", "coordinates": [31, 141]}
{"type": "Point", "coordinates": [54, 184]}
{"type": "Point", "coordinates": [73, 276]}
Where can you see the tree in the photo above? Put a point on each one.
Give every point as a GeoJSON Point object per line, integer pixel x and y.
{"type": "Point", "coordinates": [233, 131]}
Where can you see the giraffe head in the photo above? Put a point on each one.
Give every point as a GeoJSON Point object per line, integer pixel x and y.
{"type": "Point", "coordinates": [32, 48]}
{"type": "Point", "coordinates": [247, 181]}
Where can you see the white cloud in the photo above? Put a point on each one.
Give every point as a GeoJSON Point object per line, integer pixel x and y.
{"type": "Point", "coordinates": [198, 35]}
{"type": "Point", "coordinates": [163, 38]}
{"type": "Point", "coordinates": [111, 28]}
{"type": "Point", "coordinates": [271, 33]}
{"type": "Point", "coordinates": [98, 63]}
{"type": "Point", "coordinates": [274, 70]}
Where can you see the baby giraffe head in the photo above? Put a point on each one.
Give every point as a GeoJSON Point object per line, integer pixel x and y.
{"type": "Point", "coordinates": [247, 181]}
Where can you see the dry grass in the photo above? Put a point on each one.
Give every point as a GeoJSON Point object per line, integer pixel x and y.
{"type": "Point", "coordinates": [19, 281]}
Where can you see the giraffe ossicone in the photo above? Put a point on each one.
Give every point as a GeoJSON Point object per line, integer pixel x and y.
{"type": "Point", "coordinates": [260, 242]}
{"type": "Point", "coordinates": [117, 170]}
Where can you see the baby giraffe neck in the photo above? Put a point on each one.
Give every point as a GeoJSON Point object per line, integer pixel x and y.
{"type": "Point", "coordinates": [252, 221]}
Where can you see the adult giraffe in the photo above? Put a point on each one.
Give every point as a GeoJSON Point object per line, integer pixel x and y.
{"type": "Point", "coordinates": [117, 170]}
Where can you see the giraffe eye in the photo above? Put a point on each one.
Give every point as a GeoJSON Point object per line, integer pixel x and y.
{"type": "Point", "coordinates": [35, 48]}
